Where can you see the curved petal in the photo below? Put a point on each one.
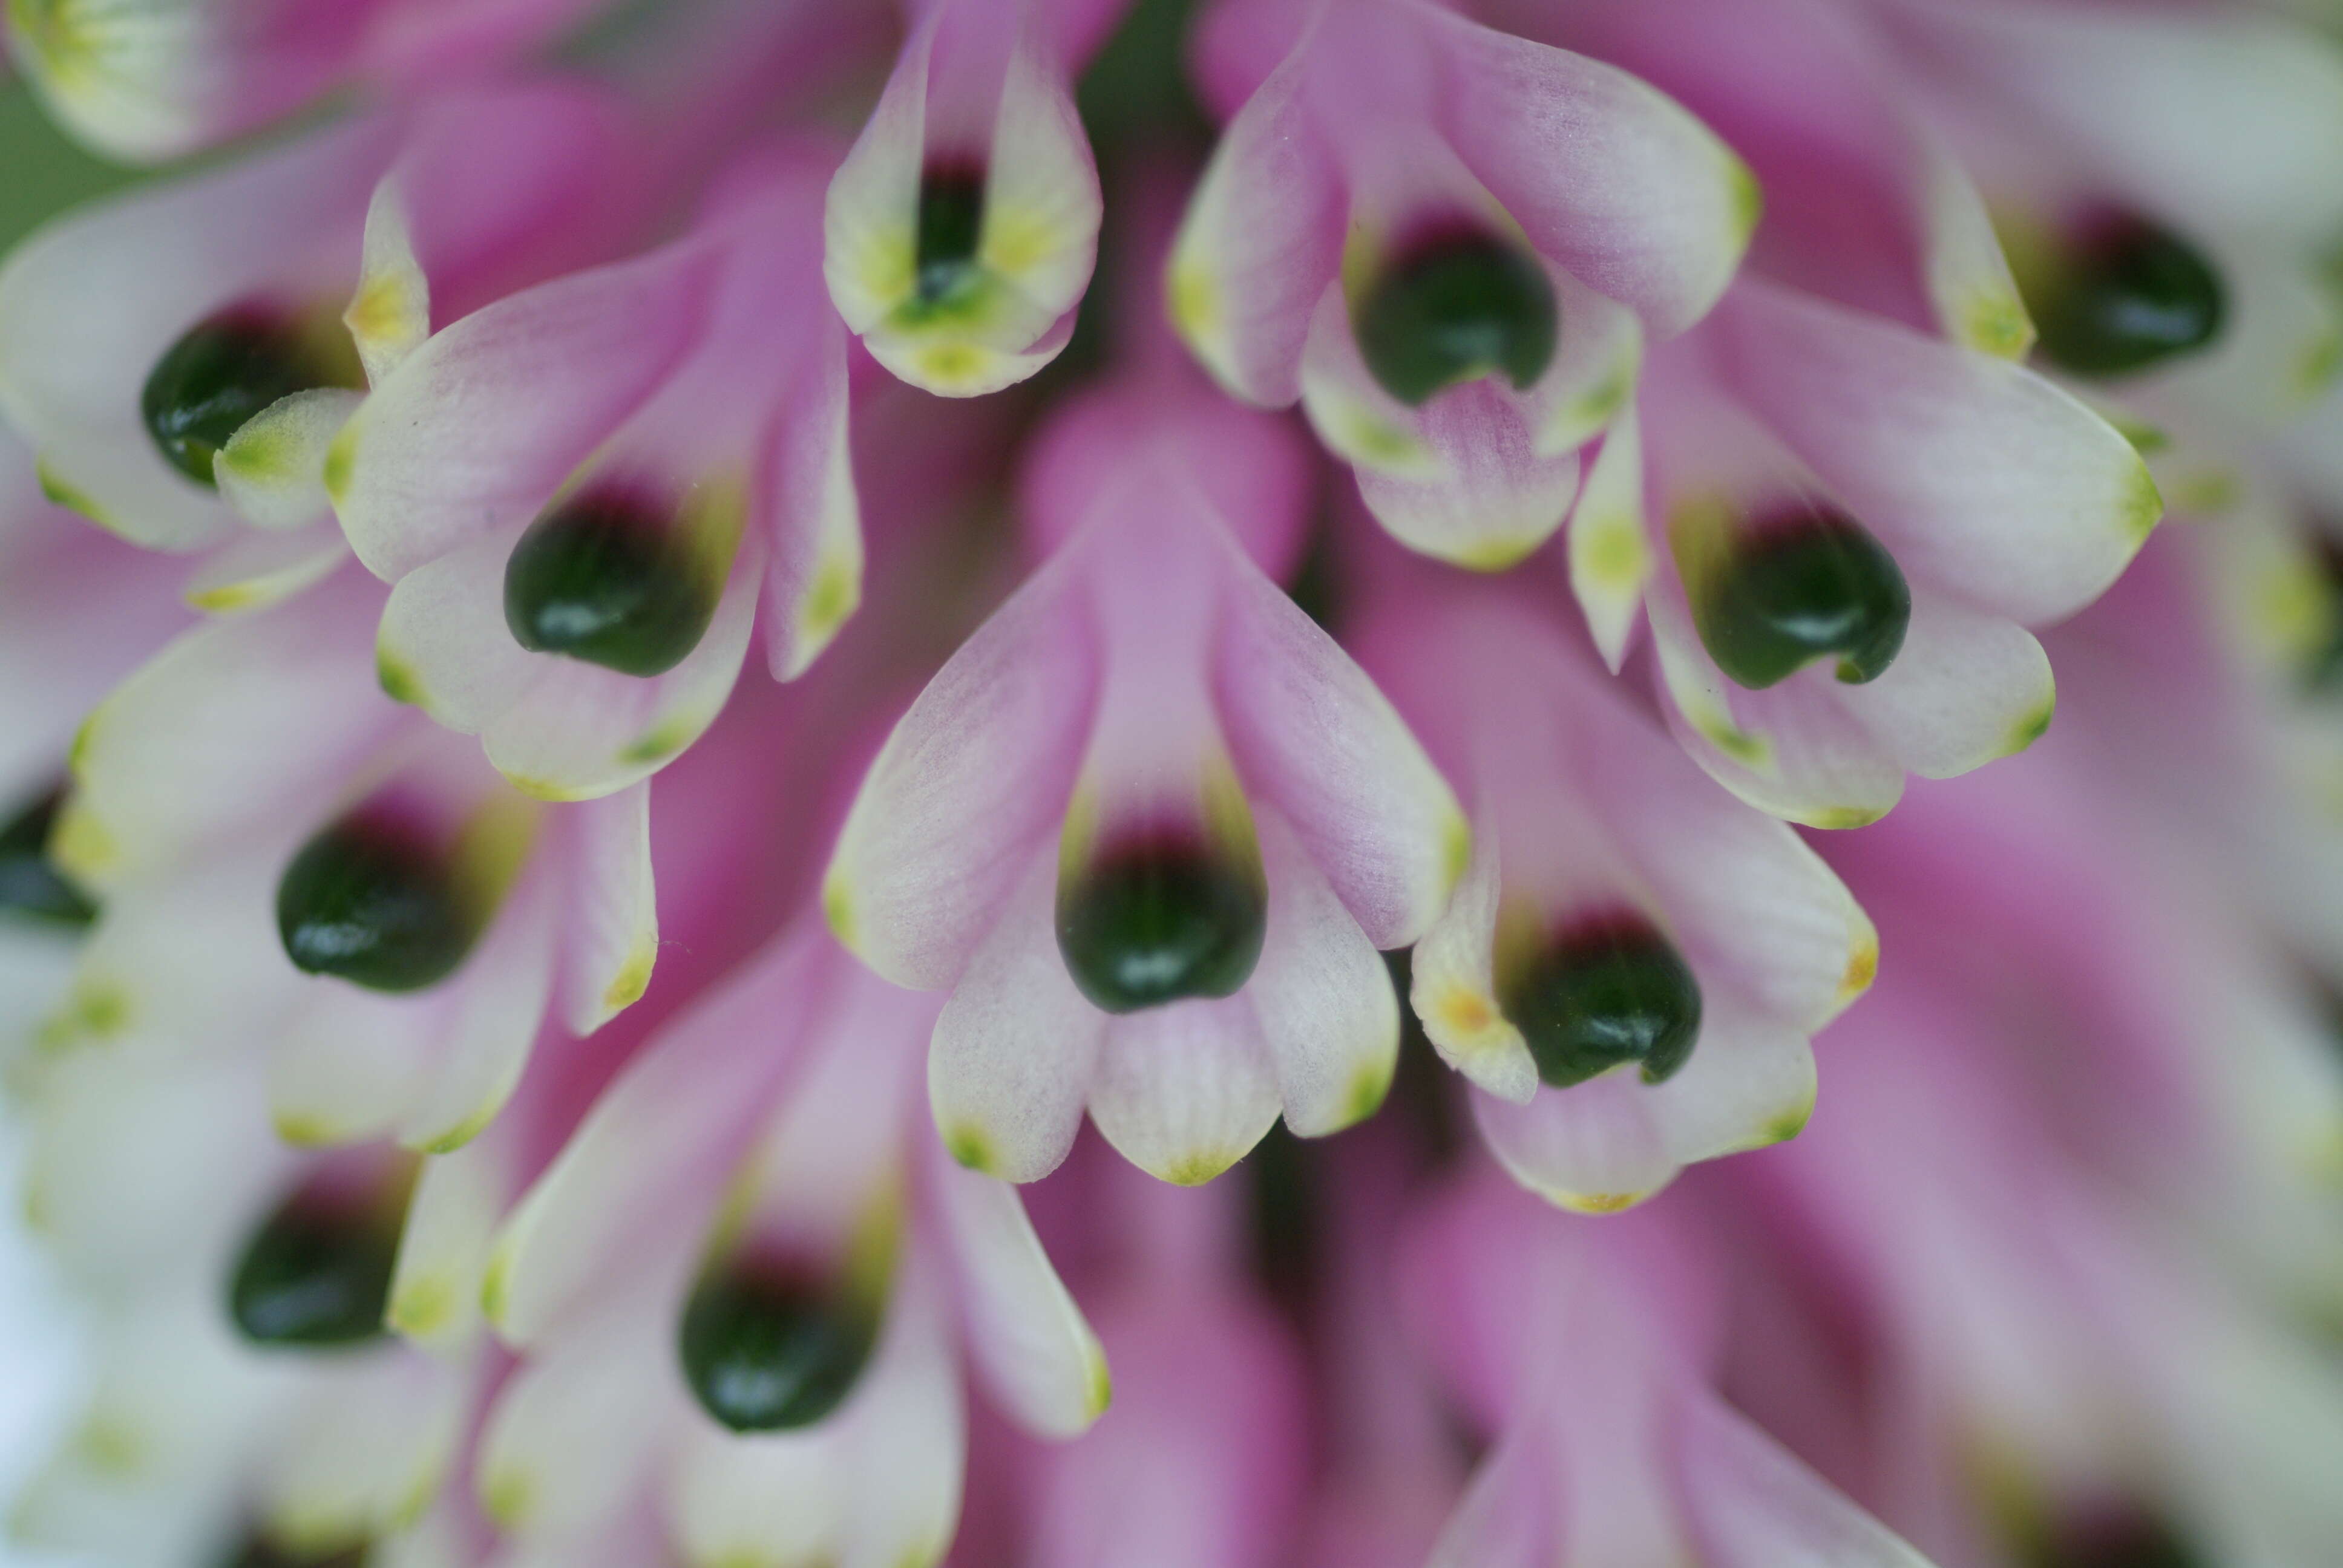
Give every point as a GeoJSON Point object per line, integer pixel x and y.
{"type": "Point", "coordinates": [1464, 478]}
{"type": "Point", "coordinates": [1453, 986]}
{"type": "Point", "coordinates": [1791, 749]}
{"type": "Point", "coordinates": [1508, 1516]}
{"type": "Point", "coordinates": [811, 518]}
{"type": "Point", "coordinates": [443, 644]}
{"type": "Point", "coordinates": [581, 1421]}
{"type": "Point", "coordinates": [258, 569]}
{"type": "Point", "coordinates": [1591, 1148]}
{"type": "Point", "coordinates": [273, 470]}
{"type": "Point", "coordinates": [90, 303]}
{"type": "Point", "coordinates": [1262, 240]}
{"type": "Point", "coordinates": [493, 1017]}
{"type": "Point", "coordinates": [972, 779]}
{"type": "Point", "coordinates": [443, 1247]}
{"type": "Point", "coordinates": [1751, 900]}
{"type": "Point", "coordinates": [578, 732]}
{"type": "Point", "coordinates": [1311, 735]}
{"type": "Point", "coordinates": [611, 908]}
{"type": "Point", "coordinates": [1185, 1091]}
{"type": "Point", "coordinates": [467, 436]}
{"type": "Point", "coordinates": [230, 723]}
{"type": "Point", "coordinates": [1608, 176]}
{"type": "Point", "coordinates": [1322, 996]}
{"type": "Point", "coordinates": [678, 1118]}
{"type": "Point", "coordinates": [1010, 1065]}
{"type": "Point", "coordinates": [1610, 552]}
{"type": "Point", "coordinates": [1967, 687]}
{"type": "Point", "coordinates": [1977, 472]}
{"type": "Point", "coordinates": [1028, 1339]}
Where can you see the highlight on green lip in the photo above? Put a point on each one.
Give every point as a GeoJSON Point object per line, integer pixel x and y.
{"type": "Point", "coordinates": [1803, 582]}
{"type": "Point", "coordinates": [1452, 306]}
{"type": "Point", "coordinates": [1604, 992]}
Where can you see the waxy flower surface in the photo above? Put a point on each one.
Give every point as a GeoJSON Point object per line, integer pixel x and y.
{"type": "Point", "coordinates": [1538, 783]}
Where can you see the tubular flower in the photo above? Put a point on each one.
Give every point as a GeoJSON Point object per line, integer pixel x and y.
{"type": "Point", "coordinates": [283, 855]}
{"type": "Point", "coordinates": [463, 1154]}
{"type": "Point", "coordinates": [741, 1291]}
{"type": "Point", "coordinates": [1149, 827]}
{"type": "Point", "coordinates": [179, 358]}
{"type": "Point", "coordinates": [1443, 241]}
{"type": "Point", "coordinates": [584, 492]}
{"type": "Point", "coordinates": [960, 230]}
{"type": "Point", "coordinates": [1632, 966]}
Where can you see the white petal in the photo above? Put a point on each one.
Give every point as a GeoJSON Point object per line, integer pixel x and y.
{"type": "Point", "coordinates": [1967, 687]}
{"type": "Point", "coordinates": [1010, 1065]}
{"type": "Point", "coordinates": [366, 1452]}
{"type": "Point", "coordinates": [1322, 996]}
{"type": "Point", "coordinates": [497, 1005]}
{"type": "Point", "coordinates": [1311, 735]}
{"type": "Point", "coordinates": [443, 1247]}
{"type": "Point", "coordinates": [1262, 239]}
{"type": "Point", "coordinates": [273, 470]}
{"type": "Point", "coordinates": [971, 780]}
{"type": "Point", "coordinates": [1453, 986]}
{"type": "Point", "coordinates": [611, 912]}
{"type": "Point", "coordinates": [1791, 749]}
{"type": "Point", "coordinates": [581, 1421]}
{"type": "Point", "coordinates": [813, 576]}
{"type": "Point", "coordinates": [1610, 550]}
{"type": "Point", "coordinates": [1028, 1338]}
{"type": "Point", "coordinates": [1975, 472]}
{"type": "Point", "coordinates": [909, 1437]}
{"type": "Point", "coordinates": [443, 644]}
{"type": "Point", "coordinates": [1185, 1091]}
{"type": "Point", "coordinates": [222, 728]}
{"type": "Point", "coordinates": [256, 568]}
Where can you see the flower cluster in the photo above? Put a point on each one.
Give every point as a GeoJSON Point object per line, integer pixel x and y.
{"type": "Point", "coordinates": [1350, 594]}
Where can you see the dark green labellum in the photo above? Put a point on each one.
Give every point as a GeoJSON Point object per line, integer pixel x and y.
{"type": "Point", "coordinates": [316, 1273]}
{"type": "Point", "coordinates": [2135, 294]}
{"type": "Point", "coordinates": [1609, 989]}
{"type": "Point", "coordinates": [1799, 587]}
{"type": "Point", "coordinates": [226, 369]}
{"type": "Point", "coordinates": [1159, 918]}
{"type": "Point", "coordinates": [603, 578]}
{"type": "Point", "coordinates": [257, 1550]}
{"type": "Point", "coordinates": [1452, 306]}
{"type": "Point", "coordinates": [368, 899]}
{"type": "Point", "coordinates": [952, 220]}
{"type": "Point", "coordinates": [766, 1348]}
{"type": "Point", "coordinates": [30, 884]}
{"type": "Point", "coordinates": [2122, 1538]}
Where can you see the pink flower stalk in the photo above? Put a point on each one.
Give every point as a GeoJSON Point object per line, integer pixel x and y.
{"type": "Point", "coordinates": [471, 1156]}
{"type": "Point", "coordinates": [1628, 1455]}
{"type": "Point", "coordinates": [1149, 827]}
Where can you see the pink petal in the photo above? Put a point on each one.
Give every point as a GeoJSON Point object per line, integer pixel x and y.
{"type": "Point", "coordinates": [1975, 473]}
{"type": "Point", "coordinates": [1610, 179]}
{"type": "Point", "coordinates": [465, 437]}
{"type": "Point", "coordinates": [973, 778]}
{"type": "Point", "coordinates": [1311, 735]}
